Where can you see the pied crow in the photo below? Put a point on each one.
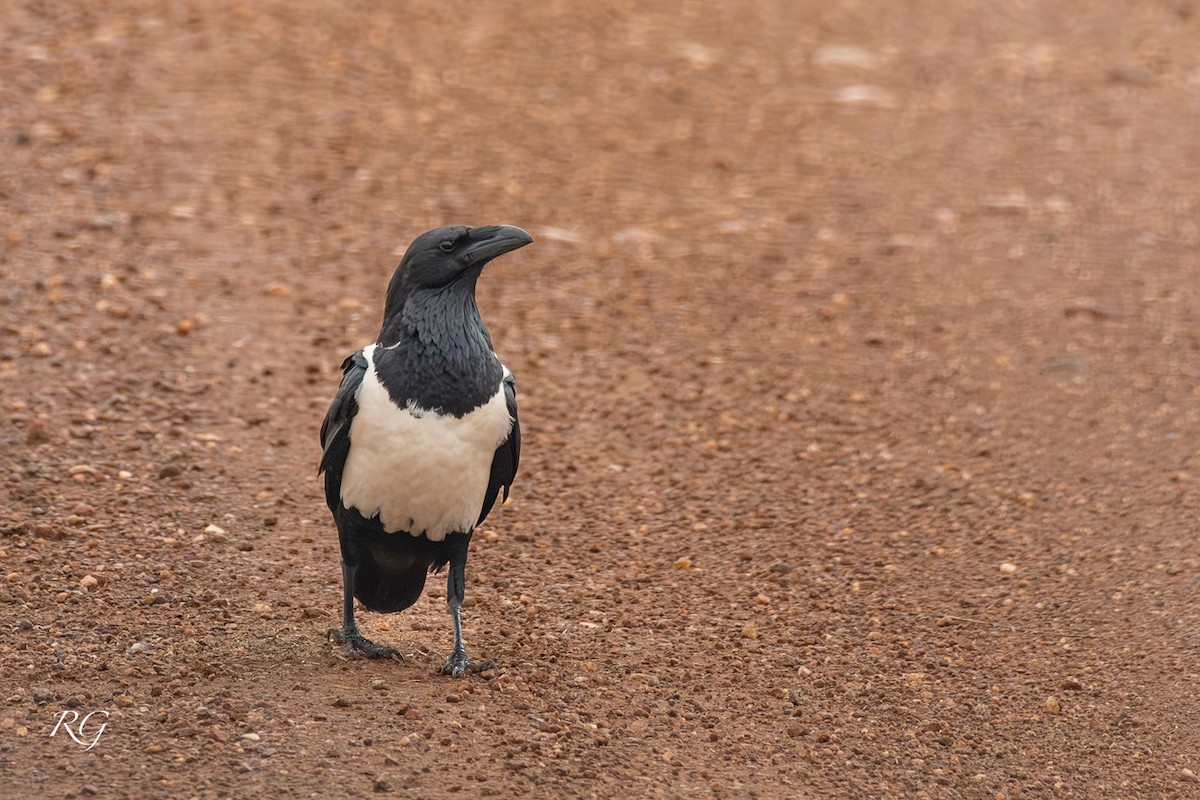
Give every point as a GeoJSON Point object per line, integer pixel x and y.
{"type": "Point", "coordinates": [422, 436]}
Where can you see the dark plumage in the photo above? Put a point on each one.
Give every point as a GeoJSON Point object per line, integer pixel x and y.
{"type": "Point", "coordinates": [422, 436]}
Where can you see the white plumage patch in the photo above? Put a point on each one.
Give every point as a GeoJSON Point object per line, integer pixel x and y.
{"type": "Point", "coordinates": [422, 472]}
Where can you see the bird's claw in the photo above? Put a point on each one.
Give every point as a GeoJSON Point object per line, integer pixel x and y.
{"type": "Point", "coordinates": [458, 665]}
{"type": "Point", "coordinates": [358, 645]}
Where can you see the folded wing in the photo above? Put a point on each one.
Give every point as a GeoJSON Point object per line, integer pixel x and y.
{"type": "Point", "coordinates": [335, 429]}
{"type": "Point", "coordinates": [507, 455]}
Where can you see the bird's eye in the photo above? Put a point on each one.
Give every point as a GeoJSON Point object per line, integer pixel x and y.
{"type": "Point", "coordinates": [446, 246]}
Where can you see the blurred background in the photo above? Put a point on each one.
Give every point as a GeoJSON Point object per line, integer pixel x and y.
{"type": "Point", "coordinates": [859, 365]}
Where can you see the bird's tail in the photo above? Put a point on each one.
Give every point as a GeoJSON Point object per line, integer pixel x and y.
{"type": "Point", "coordinates": [388, 581]}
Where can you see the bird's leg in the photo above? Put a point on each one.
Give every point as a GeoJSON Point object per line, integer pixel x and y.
{"type": "Point", "coordinates": [349, 635]}
{"type": "Point", "coordinates": [458, 664]}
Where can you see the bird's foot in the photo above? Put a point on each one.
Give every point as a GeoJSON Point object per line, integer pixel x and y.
{"type": "Point", "coordinates": [359, 646]}
{"type": "Point", "coordinates": [458, 665]}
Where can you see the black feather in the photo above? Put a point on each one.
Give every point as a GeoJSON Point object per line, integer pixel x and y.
{"type": "Point", "coordinates": [508, 454]}
{"type": "Point", "coordinates": [335, 429]}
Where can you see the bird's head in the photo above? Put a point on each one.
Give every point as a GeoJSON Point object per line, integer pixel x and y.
{"type": "Point", "coordinates": [448, 258]}
{"type": "Point", "coordinates": [441, 256]}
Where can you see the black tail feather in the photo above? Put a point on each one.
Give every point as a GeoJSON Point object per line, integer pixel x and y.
{"type": "Point", "coordinates": [391, 567]}
{"type": "Point", "coordinates": [387, 589]}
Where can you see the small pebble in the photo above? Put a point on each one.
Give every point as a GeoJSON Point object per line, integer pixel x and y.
{"type": "Point", "coordinates": [750, 631]}
{"type": "Point", "coordinates": [89, 582]}
{"type": "Point", "coordinates": [1008, 568]}
{"type": "Point", "coordinates": [1014, 202]}
{"type": "Point", "coordinates": [1052, 706]}
{"type": "Point", "coordinates": [1133, 74]}
{"type": "Point", "coordinates": [842, 55]}
{"type": "Point", "coordinates": [863, 96]}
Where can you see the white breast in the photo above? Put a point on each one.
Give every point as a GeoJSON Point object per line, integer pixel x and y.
{"type": "Point", "coordinates": [422, 472]}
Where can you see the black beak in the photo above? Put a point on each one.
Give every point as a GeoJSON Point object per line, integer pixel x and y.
{"type": "Point", "coordinates": [494, 240]}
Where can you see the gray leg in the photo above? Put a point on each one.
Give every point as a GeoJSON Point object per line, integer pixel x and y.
{"type": "Point", "coordinates": [349, 635]}
{"type": "Point", "coordinates": [458, 664]}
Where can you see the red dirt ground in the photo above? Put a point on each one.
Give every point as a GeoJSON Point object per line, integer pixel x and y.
{"type": "Point", "coordinates": [859, 358]}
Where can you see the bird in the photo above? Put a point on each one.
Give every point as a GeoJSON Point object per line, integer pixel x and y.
{"type": "Point", "coordinates": [422, 437]}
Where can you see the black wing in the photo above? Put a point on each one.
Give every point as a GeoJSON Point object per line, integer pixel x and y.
{"type": "Point", "coordinates": [335, 430]}
{"type": "Point", "coordinates": [508, 454]}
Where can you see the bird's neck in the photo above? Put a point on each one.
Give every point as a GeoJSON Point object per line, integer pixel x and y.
{"type": "Point", "coordinates": [431, 316]}
{"type": "Point", "coordinates": [436, 353]}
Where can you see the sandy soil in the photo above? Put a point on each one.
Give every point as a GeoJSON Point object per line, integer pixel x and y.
{"type": "Point", "coordinates": [859, 358]}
